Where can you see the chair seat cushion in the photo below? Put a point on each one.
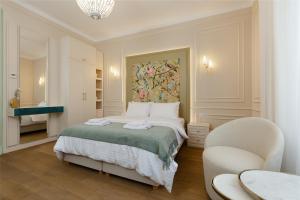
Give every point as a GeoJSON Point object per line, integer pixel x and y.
{"type": "Point", "coordinates": [230, 159]}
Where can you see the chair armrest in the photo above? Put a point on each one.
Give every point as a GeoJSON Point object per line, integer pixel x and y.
{"type": "Point", "coordinates": [273, 160]}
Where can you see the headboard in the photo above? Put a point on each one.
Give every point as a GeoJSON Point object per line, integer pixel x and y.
{"type": "Point", "coordinates": [160, 77]}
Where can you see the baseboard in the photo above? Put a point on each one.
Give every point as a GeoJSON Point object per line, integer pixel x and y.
{"type": "Point", "coordinates": [30, 144]}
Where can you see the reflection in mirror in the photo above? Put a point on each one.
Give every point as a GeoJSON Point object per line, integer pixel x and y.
{"type": "Point", "coordinates": [33, 68]}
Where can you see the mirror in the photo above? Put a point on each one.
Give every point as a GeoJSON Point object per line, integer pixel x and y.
{"type": "Point", "coordinates": [33, 83]}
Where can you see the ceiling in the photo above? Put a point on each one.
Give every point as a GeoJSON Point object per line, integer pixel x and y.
{"type": "Point", "coordinates": [129, 16]}
{"type": "Point", "coordinates": [32, 45]}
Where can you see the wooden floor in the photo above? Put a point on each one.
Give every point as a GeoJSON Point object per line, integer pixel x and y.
{"type": "Point", "coordinates": [36, 173]}
{"type": "Point", "coordinates": [32, 136]}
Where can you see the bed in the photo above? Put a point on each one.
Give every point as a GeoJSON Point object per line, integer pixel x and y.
{"type": "Point", "coordinates": [31, 123]}
{"type": "Point", "coordinates": [126, 160]}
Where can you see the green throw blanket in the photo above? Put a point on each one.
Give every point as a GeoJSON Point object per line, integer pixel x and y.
{"type": "Point", "coordinates": [159, 140]}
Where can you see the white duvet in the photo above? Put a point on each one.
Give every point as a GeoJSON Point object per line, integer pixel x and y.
{"type": "Point", "coordinates": [144, 162]}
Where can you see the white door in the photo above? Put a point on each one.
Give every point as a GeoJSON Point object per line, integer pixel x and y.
{"type": "Point", "coordinates": [12, 70]}
{"type": "Point", "coordinates": [90, 91]}
{"type": "Point", "coordinates": [76, 108]}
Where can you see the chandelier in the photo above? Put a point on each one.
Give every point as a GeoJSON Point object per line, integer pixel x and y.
{"type": "Point", "coordinates": [96, 9]}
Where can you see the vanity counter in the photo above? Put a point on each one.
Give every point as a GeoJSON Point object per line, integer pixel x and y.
{"type": "Point", "coordinates": [15, 112]}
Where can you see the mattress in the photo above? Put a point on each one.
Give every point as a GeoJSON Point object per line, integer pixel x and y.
{"type": "Point", "coordinates": [144, 162]}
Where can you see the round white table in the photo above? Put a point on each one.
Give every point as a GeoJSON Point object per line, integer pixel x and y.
{"type": "Point", "coordinates": [270, 185]}
{"type": "Point", "coordinates": [228, 187]}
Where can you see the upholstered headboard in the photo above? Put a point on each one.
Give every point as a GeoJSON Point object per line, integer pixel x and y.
{"type": "Point", "coordinates": [160, 77]}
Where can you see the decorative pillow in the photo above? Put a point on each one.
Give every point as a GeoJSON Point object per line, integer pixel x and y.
{"type": "Point", "coordinates": [138, 109]}
{"type": "Point", "coordinates": [168, 110]}
{"type": "Point", "coordinates": [40, 117]}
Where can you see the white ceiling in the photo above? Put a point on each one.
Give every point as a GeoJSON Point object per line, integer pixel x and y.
{"type": "Point", "coordinates": [32, 45]}
{"type": "Point", "coordinates": [129, 16]}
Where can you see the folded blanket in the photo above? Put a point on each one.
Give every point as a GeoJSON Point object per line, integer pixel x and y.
{"type": "Point", "coordinates": [138, 125]}
{"type": "Point", "coordinates": [98, 122]}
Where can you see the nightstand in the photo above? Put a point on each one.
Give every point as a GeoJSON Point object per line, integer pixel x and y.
{"type": "Point", "coordinates": [197, 132]}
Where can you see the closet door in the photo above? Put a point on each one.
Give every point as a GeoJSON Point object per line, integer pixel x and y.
{"type": "Point", "coordinates": [90, 91]}
{"type": "Point", "coordinates": [76, 95]}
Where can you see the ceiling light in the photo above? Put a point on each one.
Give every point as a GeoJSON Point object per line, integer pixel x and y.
{"type": "Point", "coordinates": [96, 9]}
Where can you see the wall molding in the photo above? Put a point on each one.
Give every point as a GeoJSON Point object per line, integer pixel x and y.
{"type": "Point", "coordinates": [107, 86]}
{"type": "Point", "coordinates": [225, 116]}
{"type": "Point", "coordinates": [221, 108]}
{"type": "Point", "coordinates": [31, 144]}
{"type": "Point", "coordinates": [256, 99]}
{"type": "Point", "coordinates": [238, 28]}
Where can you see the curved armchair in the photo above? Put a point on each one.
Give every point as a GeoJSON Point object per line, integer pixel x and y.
{"type": "Point", "coordinates": [246, 143]}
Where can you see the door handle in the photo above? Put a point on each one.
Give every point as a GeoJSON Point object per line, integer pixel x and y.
{"type": "Point", "coordinates": [84, 95]}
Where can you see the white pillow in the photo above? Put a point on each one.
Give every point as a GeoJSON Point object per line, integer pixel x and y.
{"type": "Point", "coordinates": [168, 110]}
{"type": "Point", "coordinates": [40, 117]}
{"type": "Point", "coordinates": [138, 109]}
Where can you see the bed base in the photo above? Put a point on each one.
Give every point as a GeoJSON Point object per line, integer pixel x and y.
{"type": "Point", "coordinates": [33, 127]}
{"type": "Point", "coordinates": [108, 168]}
{"type": "Point", "coordinates": [83, 161]}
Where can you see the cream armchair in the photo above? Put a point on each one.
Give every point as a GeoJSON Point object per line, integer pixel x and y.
{"type": "Point", "coordinates": [246, 143]}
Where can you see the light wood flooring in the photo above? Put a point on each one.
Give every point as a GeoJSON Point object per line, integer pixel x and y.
{"type": "Point", "coordinates": [35, 173]}
{"type": "Point", "coordinates": [32, 136]}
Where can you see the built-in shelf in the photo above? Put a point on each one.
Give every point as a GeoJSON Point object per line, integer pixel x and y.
{"type": "Point", "coordinates": [99, 92]}
{"type": "Point", "coordinates": [15, 112]}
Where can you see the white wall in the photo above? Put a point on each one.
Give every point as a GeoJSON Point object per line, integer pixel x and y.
{"type": "Point", "coordinates": [40, 66]}
{"type": "Point", "coordinates": [26, 82]}
{"type": "Point", "coordinates": [219, 96]}
{"type": "Point", "coordinates": [30, 72]}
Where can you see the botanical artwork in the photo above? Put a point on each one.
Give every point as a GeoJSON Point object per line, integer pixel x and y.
{"type": "Point", "coordinates": [156, 81]}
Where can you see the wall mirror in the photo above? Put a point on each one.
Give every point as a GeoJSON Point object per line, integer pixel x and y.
{"type": "Point", "coordinates": [33, 65]}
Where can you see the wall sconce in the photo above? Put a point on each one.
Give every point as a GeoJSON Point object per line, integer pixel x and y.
{"type": "Point", "coordinates": [114, 72]}
{"type": "Point", "coordinates": [207, 63]}
{"type": "Point", "coordinates": [41, 81]}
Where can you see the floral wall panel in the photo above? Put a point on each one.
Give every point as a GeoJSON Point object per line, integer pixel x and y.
{"type": "Point", "coordinates": [157, 81]}
{"type": "Point", "coordinates": [159, 77]}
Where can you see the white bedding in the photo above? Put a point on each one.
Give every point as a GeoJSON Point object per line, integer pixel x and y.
{"type": "Point", "coordinates": [27, 120]}
{"type": "Point", "coordinates": [144, 162]}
